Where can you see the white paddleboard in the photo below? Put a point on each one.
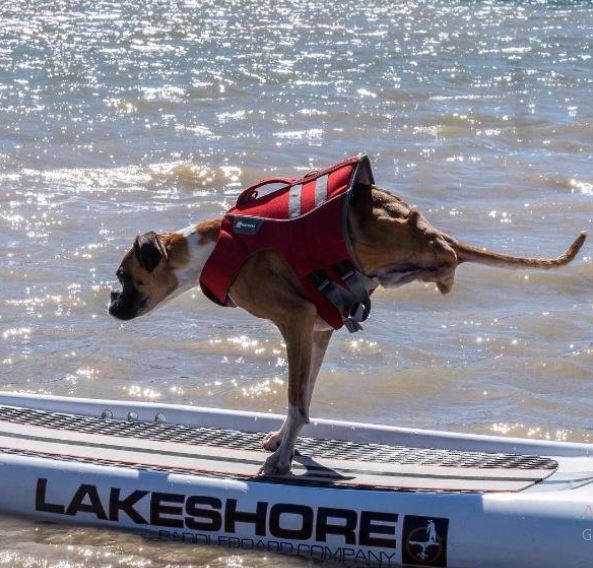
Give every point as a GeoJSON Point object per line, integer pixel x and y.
{"type": "Point", "coordinates": [357, 494]}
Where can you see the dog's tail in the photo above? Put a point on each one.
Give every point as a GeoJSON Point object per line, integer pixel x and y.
{"type": "Point", "coordinates": [469, 253]}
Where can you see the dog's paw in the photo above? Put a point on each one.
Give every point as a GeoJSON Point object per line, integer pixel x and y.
{"type": "Point", "coordinates": [271, 441]}
{"type": "Point", "coordinates": [276, 464]}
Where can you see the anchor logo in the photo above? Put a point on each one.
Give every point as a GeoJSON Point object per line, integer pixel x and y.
{"type": "Point", "coordinates": [425, 541]}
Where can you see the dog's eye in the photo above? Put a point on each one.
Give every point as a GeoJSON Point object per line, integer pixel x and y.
{"type": "Point", "coordinates": [139, 283]}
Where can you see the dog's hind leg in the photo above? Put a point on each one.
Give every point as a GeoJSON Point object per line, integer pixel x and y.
{"type": "Point", "coordinates": [321, 339]}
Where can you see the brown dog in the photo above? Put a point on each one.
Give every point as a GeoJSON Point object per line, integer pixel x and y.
{"type": "Point", "coordinates": [393, 243]}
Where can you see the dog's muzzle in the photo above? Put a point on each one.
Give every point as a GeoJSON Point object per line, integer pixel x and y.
{"type": "Point", "coordinates": [125, 306]}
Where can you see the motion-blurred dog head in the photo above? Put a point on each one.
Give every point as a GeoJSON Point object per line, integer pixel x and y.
{"type": "Point", "coordinates": [147, 274]}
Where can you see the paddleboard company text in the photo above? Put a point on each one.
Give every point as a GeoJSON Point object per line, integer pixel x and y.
{"type": "Point", "coordinates": [271, 524]}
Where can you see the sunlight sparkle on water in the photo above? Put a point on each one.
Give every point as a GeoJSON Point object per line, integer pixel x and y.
{"type": "Point", "coordinates": [261, 388]}
{"type": "Point", "coordinates": [137, 391]}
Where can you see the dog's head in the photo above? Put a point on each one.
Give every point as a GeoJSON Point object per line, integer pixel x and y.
{"type": "Point", "coordinates": [148, 274]}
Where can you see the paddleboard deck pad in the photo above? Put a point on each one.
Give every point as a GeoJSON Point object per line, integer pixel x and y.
{"type": "Point", "coordinates": [357, 494]}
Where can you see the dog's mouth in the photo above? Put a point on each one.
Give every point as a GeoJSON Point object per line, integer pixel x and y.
{"type": "Point", "coordinates": [126, 305]}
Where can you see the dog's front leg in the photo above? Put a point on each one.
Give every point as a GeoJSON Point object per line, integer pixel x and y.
{"type": "Point", "coordinates": [271, 441]}
{"type": "Point", "coordinates": [320, 343]}
{"type": "Point", "coordinates": [298, 335]}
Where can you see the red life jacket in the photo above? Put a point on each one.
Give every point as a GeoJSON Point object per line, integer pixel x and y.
{"type": "Point", "coordinates": [306, 221]}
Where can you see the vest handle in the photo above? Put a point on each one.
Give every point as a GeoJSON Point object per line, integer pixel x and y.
{"type": "Point", "coordinates": [247, 194]}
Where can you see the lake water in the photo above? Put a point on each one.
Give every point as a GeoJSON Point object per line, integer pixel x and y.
{"type": "Point", "coordinates": [120, 117]}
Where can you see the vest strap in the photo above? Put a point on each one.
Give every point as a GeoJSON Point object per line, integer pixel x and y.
{"type": "Point", "coordinates": [360, 285]}
{"type": "Point", "coordinates": [354, 300]}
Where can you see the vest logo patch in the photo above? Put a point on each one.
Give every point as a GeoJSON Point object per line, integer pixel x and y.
{"type": "Point", "coordinates": [246, 225]}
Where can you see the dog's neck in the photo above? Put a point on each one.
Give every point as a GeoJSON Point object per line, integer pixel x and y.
{"type": "Point", "coordinates": [200, 240]}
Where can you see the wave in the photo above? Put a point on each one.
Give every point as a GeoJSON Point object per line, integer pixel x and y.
{"type": "Point", "coordinates": [176, 176]}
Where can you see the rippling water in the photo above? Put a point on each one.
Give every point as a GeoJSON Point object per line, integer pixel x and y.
{"type": "Point", "coordinates": [119, 117]}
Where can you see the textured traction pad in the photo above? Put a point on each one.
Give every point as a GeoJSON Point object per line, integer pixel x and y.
{"type": "Point", "coordinates": [211, 451]}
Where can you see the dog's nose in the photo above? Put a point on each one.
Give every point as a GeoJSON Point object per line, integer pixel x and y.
{"type": "Point", "coordinates": [114, 296]}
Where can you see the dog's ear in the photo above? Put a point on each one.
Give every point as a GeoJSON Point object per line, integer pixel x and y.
{"type": "Point", "coordinates": [149, 250]}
